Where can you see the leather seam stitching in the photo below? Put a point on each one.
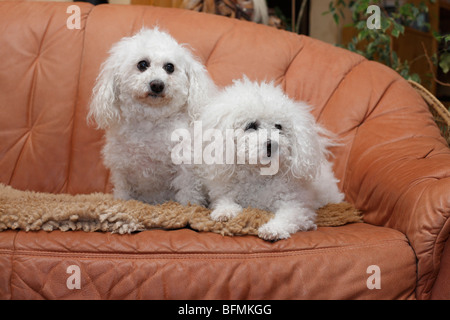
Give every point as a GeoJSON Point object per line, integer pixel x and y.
{"type": "Point", "coordinates": [199, 256]}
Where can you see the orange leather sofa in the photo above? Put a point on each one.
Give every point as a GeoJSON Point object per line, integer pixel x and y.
{"type": "Point", "coordinates": [393, 165]}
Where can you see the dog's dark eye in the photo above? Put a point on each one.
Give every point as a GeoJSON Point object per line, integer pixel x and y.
{"type": "Point", "coordinates": [279, 126]}
{"type": "Point", "coordinates": [143, 65]}
{"type": "Point", "coordinates": [251, 126]}
{"type": "Point", "coordinates": [170, 68]}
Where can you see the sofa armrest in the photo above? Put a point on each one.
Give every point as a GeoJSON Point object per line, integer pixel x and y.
{"type": "Point", "coordinates": [412, 197]}
{"type": "Point", "coordinates": [398, 171]}
{"type": "Point", "coordinates": [441, 288]}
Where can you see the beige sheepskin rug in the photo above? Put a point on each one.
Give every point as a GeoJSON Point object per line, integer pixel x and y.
{"type": "Point", "coordinates": [31, 211]}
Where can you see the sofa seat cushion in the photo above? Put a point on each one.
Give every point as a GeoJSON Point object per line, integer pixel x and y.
{"type": "Point", "coordinates": [184, 264]}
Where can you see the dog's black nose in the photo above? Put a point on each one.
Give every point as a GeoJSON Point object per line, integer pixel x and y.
{"type": "Point", "coordinates": [157, 86]}
{"type": "Point", "coordinates": [269, 148]}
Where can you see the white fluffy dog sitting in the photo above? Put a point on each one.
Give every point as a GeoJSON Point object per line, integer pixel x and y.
{"type": "Point", "coordinates": [302, 180]}
{"type": "Point", "coordinates": [149, 86]}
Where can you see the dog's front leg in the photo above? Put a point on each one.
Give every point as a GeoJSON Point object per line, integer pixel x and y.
{"type": "Point", "coordinates": [224, 208]}
{"type": "Point", "coordinates": [289, 218]}
{"type": "Point", "coordinates": [190, 188]}
{"type": "Point", "coordinates": [122, 188]}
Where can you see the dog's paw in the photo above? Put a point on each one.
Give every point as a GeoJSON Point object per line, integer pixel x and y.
{"type": "Point", "coordinates": [226, 212]}
{"type": "Point", "coordinates": [307, 225]}
{"type": "Point", "coordinates": [273, 231]}
{"type": "Point", "coordinates": [278, 230]}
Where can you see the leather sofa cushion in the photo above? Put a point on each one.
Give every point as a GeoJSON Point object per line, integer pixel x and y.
{"type": "Point", "coordinates": [330, 263]}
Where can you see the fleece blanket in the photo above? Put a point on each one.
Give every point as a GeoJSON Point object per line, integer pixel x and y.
{"type": "Point", "coordinates": [30, 211]}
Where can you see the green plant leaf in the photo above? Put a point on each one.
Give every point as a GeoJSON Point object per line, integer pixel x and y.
{"type": "Point", "coordinates": [415, 77]}
{"type": "Point", "coordinates": [360, 25]}
{"type": "Point", "coordinates": [363, 34]}
{"type": "Point", "coordinates": [336, 18]}
{"type": "Point", "coordinates": [395, 61]}
{"type": "Point", "coordinates": [397, 30]}
{"type": "Point", "coordinates": [444, 62]}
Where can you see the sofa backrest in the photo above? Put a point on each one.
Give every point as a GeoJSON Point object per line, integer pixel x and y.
{"type": "Point", "coordinates": [40, 72]}
{"type": "Point", "coordinates": [47, 72]}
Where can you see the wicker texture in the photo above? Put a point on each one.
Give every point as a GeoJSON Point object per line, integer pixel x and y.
{"type": "Point", "coordinates": [440, 112]}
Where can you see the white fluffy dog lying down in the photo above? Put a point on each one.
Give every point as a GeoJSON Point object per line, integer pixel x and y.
{"type": "Point", "coordinates": [292, 176]}
{"type": "Point", "coordinates": [149, 86]}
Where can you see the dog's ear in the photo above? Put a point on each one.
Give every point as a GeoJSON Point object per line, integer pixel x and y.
{"type": "Point", "coordinates": [201, 87]}
{"type": "Point", "coordinates": [308, 149]}
{"type": "Point", "coordinates": [103, 106]}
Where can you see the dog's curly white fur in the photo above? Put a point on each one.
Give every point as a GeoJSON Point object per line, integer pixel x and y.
{"type": "Point", "coordinates": [304, 181]}
{"type": "Point", "coordinates": [149, 86]}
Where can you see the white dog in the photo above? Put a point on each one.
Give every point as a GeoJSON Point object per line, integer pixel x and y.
{"type": "Point", "coordinates": [149, 86]}
{"type": "Point", "coordinates": [303, 179]}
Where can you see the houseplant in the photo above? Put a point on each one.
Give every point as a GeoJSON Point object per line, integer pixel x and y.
{"type": "Point", "coordinates": [376, 43]}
